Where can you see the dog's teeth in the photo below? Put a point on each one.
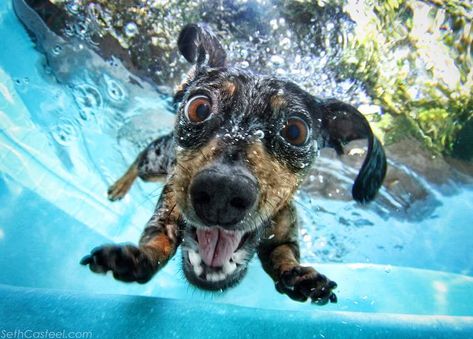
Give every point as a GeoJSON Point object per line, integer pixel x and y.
{"type": "Point", "coordinates": [215, 276]}
{"type": "Point", "coordinates": [198, 270]}
{"type": "Point", "coordinates": [239, 256]}
{"type": "Point", "coordinates": [211, 277]}
{"type": "Point", "coordinates": [194, 258]}
{"type": "Point", "coordinates": [229, 267]}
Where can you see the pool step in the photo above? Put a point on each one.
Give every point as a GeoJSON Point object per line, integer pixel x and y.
{"type": "Point", "coordinates": [30, 310]}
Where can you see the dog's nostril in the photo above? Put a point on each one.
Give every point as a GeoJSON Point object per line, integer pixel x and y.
{"type": "Point", "coordinates": [239, 203]}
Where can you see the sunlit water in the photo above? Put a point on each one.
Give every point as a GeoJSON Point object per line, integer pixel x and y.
{"type": "Point", "coordinates": [69, 128]}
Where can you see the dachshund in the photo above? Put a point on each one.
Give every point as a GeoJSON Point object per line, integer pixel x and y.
{"type": "Point", "coordinates": [241, 147]}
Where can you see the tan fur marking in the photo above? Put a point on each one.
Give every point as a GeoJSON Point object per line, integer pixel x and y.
{"type": "Point", "coordinates": [229, 87]}
{"type": "Point", "coordinates": [169, 215]}
{"type": "Point", "coordinates": [188, 163]}
{"type": "Point", "coordinates": [160, 247]}
{"type": "Point", "coordinates": [284, 226]}
{"type": "Point", "coordinates": [278, 249]}
{"type": "Point", "coordinates": [277, 102]}
{"type": "Point", "coordinates": [190, 76]}
{"type": "Point", "coordinates": [277, 183]}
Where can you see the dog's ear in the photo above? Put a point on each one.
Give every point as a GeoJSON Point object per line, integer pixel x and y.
{"type": "Point", "coordinates": [342, 123]}
{"type": "Point", "coordinates": [198, 44]}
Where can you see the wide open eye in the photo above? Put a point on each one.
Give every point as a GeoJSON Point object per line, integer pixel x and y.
{"type": "Point", "coordinates": [295, 131]}
{"type": "Point", "coordinates": [198, 109]}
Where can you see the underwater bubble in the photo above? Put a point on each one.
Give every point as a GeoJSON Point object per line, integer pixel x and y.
{"type": "Point", "coordinates": [72, 7]}
{"type": "Point", "coordinates": [57, 50]}
{"type": "Point", "coordinates": [114, 90]}
{"type": "Point", "coordinates": [274, 24]}
{"type": "Point", "coordinates": [285, 43]}
{"type": "Point", "coordinates": [89, 99]}
{"type": "Point", "coordinates": [94, 11]}
{"type": "Point", "coordinates": [80, 29]}
{"type": "Point", "coordinates": [280, 71]}
{"type": "Point", "coordinates": [131, 29]}
{"type": "Point", "coordinates": [244, 54]}
{"type": "Point", "coordinates": [68, 30]}
{"type": "Point", "coordinates": [64, 132]}
{"type": "Point", "coordinates": [259, 134]}
{"type": "Point", "coordinates": [88, 96]}
{"type": "Point", "coordinates": [244, 64]}
{"type": "Point", "coordinates": [21, 84]}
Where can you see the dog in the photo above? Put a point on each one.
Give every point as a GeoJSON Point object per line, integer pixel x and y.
{"type": "Point", "coordinates": [242, 145]}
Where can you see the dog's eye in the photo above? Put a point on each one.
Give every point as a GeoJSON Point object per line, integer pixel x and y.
{"type": "Point", "coordinates": [198, 109]}
{"type": "Point", "coordinates": [295, 131]}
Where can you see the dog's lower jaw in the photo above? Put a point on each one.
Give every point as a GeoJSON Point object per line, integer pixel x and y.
{"type": "Point", "coordinates": [209, 278]}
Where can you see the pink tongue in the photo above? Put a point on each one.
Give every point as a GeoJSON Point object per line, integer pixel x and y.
{"type": "Point", "coordinates": [216, 246]}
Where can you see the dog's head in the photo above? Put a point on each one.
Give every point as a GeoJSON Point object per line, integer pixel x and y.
{"type": "Point", "coordinates": [245, 142]}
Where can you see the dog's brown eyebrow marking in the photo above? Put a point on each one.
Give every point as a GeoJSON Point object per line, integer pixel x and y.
{"type": "Point", "coordinates": [180, 88]}
{"type": "Point", "coordinates": [277, 102]}
{"type": "Point", "coordinates": [229, 87]}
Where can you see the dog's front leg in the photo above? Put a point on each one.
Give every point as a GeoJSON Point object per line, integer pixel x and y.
{"type": "Point", "coordinates": [279, 255]}
{"type": "Point", "coordinates": [158, 244]}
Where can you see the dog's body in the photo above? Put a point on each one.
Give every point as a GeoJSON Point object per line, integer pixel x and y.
{"type": "Point", "coordinates": [242, 145]}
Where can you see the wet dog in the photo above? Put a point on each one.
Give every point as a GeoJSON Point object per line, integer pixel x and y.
{"type": "Point", "coordinates": [242, 145]}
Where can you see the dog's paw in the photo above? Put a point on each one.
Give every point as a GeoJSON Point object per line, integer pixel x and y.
{"type": "Point", "coordinates": [118, 190]}
{"type": "Point", "coordinates": [127, 262]}
{"type": "Point", "coordinates": [302, 283]}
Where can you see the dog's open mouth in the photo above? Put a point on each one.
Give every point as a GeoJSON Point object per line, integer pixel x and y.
{"type": "Point", "coordinates": [217, 257]}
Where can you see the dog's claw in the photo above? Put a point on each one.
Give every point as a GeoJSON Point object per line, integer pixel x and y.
{"type": "Point", "coordinates": [302, 283]}
{"type": "Point", "coordinates": [127, 262]}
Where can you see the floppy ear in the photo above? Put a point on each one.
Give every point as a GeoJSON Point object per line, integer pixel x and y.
{"type": "Point", "coordinates": [197, 43]}
{"type": "Point", "coordinates": [342, 123]}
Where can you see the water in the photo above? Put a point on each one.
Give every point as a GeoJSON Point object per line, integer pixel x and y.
{"type": "Point", "coordinates": [71, 123]}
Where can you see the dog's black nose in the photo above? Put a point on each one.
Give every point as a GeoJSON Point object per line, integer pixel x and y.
{"type": "Point", "coordinates": [223, 196]}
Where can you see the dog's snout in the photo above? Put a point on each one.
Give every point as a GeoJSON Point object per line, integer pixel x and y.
{"type": "Point", "coordinates": [222, 197]}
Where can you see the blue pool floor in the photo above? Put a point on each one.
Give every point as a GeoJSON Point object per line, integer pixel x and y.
{"type": "Point", "coordinates": [120, 316]}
